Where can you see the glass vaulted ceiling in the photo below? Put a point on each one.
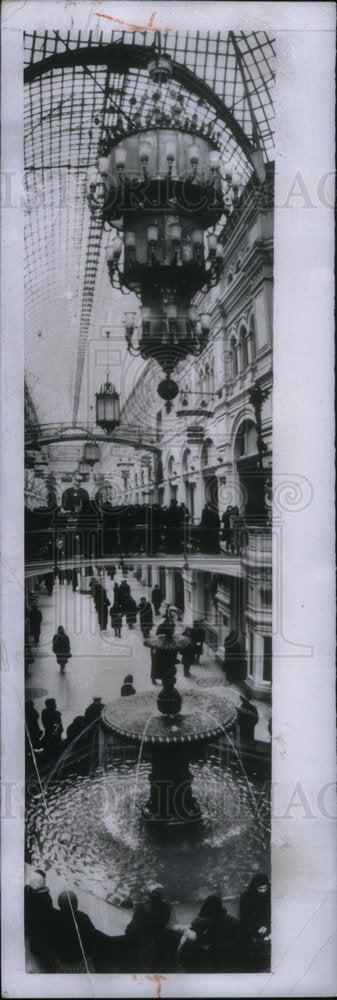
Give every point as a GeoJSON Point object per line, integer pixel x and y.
{"type": "Point", "coordinates": [68, 112]}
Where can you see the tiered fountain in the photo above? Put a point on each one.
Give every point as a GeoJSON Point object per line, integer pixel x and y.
{"type": "Point", "coordinates": [171, 729]}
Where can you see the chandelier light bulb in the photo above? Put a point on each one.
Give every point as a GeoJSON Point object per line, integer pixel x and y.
{"type": "Point", "coordinates": [187, 253]}
{"type": "Point", "coordinates": [170, 150]}
{"type": "Point", "coordinates": [205, 320]}
{"type": "Point", "coordinates": [176, 234]}
{"type": "Point", "coordinates": [117, 247]}
{"type": "Point", "coordinates": [120, 157]}
{"type": "Point", "coordinates": [171, 311]}
{"type": "Point", "coordinates": [103, 166]}
{"type": "Point", "coordinates": [214, 159]}
{"type": "Point", "coordinates": [144, 151]}
{"type": "Point", "coordinates": [197, 238]}
{"type": "Point", "coordinates": [93, 180]}
{"type": "Point", "coordinates": [194, 155]}
{"type": "Point", "coordinates": [212, 244]}
{"type": "Point", "coordinates": [130, 239]}
{"type": "Point", "coordinates": [130, 321]}
{"type": "Point", "coordinates": [228, 170]}
{"type": "Point", "coordinates": [152, 234]}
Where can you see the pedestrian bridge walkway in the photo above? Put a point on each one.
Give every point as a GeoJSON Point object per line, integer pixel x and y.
{"type": "Point", "coordinates": [227, 565]}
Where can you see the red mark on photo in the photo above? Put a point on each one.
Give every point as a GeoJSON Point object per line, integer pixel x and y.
{"type": "Point", "coordinates": [135, 27]}
{"type": "Point", "coordinates": [156, 978]}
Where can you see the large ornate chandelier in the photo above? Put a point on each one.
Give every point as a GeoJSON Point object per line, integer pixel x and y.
{"type": "Point", "coordinates": [159, 184]}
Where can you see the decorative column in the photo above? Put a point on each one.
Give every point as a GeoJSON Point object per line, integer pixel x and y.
{"type": "Point", "coordinates": [258, 564]}
{"type": "Point", "coordinates": [190, 582]}
{"type": "Point", "coordinates": [169, 575]}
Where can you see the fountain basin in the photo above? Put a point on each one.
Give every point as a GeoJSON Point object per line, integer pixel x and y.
{"type": "Point", "coordinates": [170, 739]}
{"type": "Point", "coordinates": [202, 718]}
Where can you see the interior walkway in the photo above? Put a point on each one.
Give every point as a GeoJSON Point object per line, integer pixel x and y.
{"type": "Point", "coordinates": [100, 661]}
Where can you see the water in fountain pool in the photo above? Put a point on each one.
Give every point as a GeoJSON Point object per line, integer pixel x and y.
{"type": "Point", "coordinates": [91, 832]}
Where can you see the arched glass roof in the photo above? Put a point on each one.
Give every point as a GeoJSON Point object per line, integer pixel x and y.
{"type": "Point", "coordinates": [78, 88]}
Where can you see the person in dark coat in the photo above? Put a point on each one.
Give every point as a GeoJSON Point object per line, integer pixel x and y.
{"type": "Point", "coordinates": [74, 578]}
{"type": "Point", "coordinates": [93, 712]}
{"type": "Point", "coordinates": [210, 945]}
{"type": "Point", "coordinates": [255, 924]}
{"type": "Point", "coordinates": [145, 616]}
{"type": "Point", "coordinates": [188, 654]}
{"type": "Point", "coordinates": [116, 591]}
{"type": "Point", "coordinates": [39, 916]}
{"type": "Point", "coordinates": [210, 529]}
{"type": "Point", "coordinates": [103, 606]}
{"type": "Point", "coordinates": [116, 618]}
{"type": "Point", "coordinates": [227, 534]}
{"type": "Point", "coordinates": [197, 637]}
{"type": "Point", "coordinates": [130, 611]}
{"type": "Point", "coordinates": [33, 731]}
{"type": "Point", "coordinates": [234, 663]}
{"type": "Point", "coordinates": [61, 648]}
{"type": "Point", "coordinates": [75, 937]}
{"type": "Point", "coordinates": [146, 931]}
{"type": "Point", "coordinates": [127, 686]}
{"type": "Point", "coordinates": [217, 933]}
{"type": "Point", "coordinates": [156, 598]}
{"type": "Point", "coordinates": [76, 728]}
{"type": "Point", "coordinates": [49, 581]}
{"type": "Point", "coordinates": [35, 618]}
{"type": "Point", "coordinates": [53, 728]}
{"type": "Point", "coordinates": [124, 593]}
{"type": "Point", "coordinates": [246, 718]}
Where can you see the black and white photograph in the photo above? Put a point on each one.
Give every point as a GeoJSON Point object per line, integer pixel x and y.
{"type": "Point", "coordinates": [154, 521]}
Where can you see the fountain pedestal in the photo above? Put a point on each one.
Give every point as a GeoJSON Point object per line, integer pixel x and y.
{"type": "Point", "coordinates": [171, 740]}
{"type": "Point", "coordinates": [171, 799]}
{"type": "Point", "coordinates": [169, 728]}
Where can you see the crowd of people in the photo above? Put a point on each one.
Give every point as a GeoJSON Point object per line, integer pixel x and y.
{"type": "Point", "coordinates": [65, 940]}
{"type": "Point", "coordinates": [123, 607]}
{"type": "Point", "coordinates": [136, 528]}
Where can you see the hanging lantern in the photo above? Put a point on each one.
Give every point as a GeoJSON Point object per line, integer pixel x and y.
{"type": "Point", "coordinates": [159, 68]}
{"type": "Point", "coordinates": [91, 453]}
{"type": "Point", "coordinates": [168, 390]}
{"type": "Point", "coordinates": [82, 467]}
{"type": "Point", "coordinates": [107, 408]}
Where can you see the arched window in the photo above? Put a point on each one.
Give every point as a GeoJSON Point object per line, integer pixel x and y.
{"type": "Point", "coordinates": [207, 382]}
{"type": "Point", "coordinates": [186, 460]}
{"type": "Point", "coordinates": [245, 442]}
{"type": "Point", "coordinates": [200, 382]}
{"type": "Point", "coordinates": [233, 357]}
{"type": "Point", "coordinates": [238, 264]}
{"type": "Point", "coordinates": [170, 466]}
{"type": "Point", "coordinates": [204, 455]}
{"type": "Point", "coordinates": [136, 479]}
{"type": "Point", "coordinates": [252, 339]}
{"type": "Point", "coordinates": [211, 377]}
{"type": "Point", "coordinates": [230, 278]}
{"type": "Point", "coordinates": [244, 348]}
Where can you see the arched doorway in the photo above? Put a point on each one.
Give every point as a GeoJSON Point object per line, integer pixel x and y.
{"type": "Point", "coordinates": [250, 475]}
{"type": "Point", "coordinates": [210, 480]}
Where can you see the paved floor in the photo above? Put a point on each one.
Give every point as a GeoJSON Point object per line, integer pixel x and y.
{"type": "Point", "coordinates": [100, 661]}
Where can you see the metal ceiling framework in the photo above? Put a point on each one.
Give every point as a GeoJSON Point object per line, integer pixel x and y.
{"type": "Point", "coordinates": [78, 91]}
